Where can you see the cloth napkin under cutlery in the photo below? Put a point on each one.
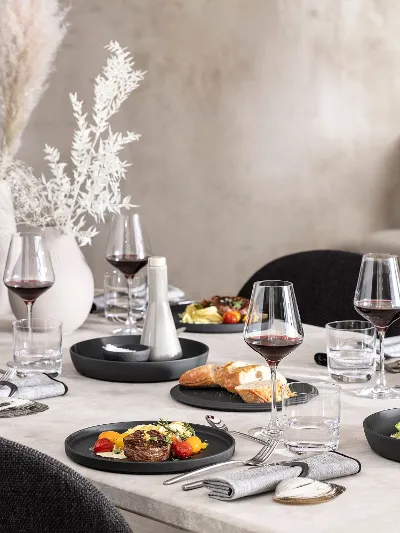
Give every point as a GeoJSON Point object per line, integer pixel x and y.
{"type": "Point", "coordinates": [34, 387]}
{"type": "Point", "coordinates": [251, 481]}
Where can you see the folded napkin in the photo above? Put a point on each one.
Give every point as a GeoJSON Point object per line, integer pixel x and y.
{"type": "Point", "coordinates": [34, 387]}
{"type": "Point", "coordinates": [250, 481]}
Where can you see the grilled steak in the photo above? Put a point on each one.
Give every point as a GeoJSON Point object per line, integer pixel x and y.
{"type": "Point", "coordinates": [138, 448]}
{"type": "Point", "coordinates": [230, 303]}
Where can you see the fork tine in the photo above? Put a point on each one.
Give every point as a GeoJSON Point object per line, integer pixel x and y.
{"type": "Point", "coordinates": [264, 452]}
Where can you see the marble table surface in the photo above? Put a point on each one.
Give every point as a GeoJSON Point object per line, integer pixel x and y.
{"type": "Point", "coordinates": [369, 503]}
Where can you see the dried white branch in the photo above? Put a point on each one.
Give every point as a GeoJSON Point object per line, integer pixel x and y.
{"type": "Point", "coordinates": [93, 187]}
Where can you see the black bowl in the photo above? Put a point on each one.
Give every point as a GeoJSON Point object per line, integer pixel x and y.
{"type": "Point", "coordinates": [136, 353]}
{"type": "Point", "coordinates": [378, 427]}
{"type": "Point", "coordinates": [89, 360]}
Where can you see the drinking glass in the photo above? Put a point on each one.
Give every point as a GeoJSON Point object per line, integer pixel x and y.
{"type": "Point", "coordinates": [377, 299]}
{"type": "Point", "coordinates": [29, 271]}
{"type": "Point", "coordinates": [311, 418]}
{"type": "Point", "coordinates": [116, 297]}
{"type": "Point", "coordinates": [350, 348]}
{"type": "Point", "coordinates": [38, 349]}
{"type": "Point", "coordinates": [128, 250]}
{"type": "Point", "coordinates": [273, 329]}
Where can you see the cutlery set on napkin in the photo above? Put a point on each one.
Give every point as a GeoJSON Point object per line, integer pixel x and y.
{"type": "Point", "coordinates": [295, 481]}
{"type": "Point", "coordinates": [18, 393]}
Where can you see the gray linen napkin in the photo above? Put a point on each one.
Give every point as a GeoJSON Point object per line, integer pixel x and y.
{"type": "Point", "coordinates": [250, 481]}
{"type": "Point", "coordinates": [35, 387]}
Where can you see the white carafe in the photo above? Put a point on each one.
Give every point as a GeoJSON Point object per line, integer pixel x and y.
{"type": "Point", "coordinates": [159, 331]}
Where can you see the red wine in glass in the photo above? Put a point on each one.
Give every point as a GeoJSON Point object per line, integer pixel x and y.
{"type": "Point", "coordinates": [128, 250]}
{"type": "Point", "coordinates": [273, 348]}
{"type": "Point", "coordinates": [273, 329]}
{"type": "Point", "coordinates": [381, 313]}
{"type": "Point", "coordinates": [29, 290]}
{"type": "Point", "coordinates": [29, 271]}
{"type": "Point", "coordinates": [129, 265]}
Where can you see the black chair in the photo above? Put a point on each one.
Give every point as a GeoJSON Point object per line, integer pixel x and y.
{"type": "Point", "coordinates": [41, 495]}
{"type": "Point", "coordinates": [324, 282]}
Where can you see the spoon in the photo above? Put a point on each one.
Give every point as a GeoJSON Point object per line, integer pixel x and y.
{"type": "Point", "coordinates": [217, 423]}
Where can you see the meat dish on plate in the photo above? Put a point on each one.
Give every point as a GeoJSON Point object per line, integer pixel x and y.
{"type": "Point", "coordinates": [217, 310]}
{"type": "Point", "coordinates": [156, 442]}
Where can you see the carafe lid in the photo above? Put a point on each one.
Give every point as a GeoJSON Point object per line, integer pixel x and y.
{"type": "Point", "coordinates": [157, 261]}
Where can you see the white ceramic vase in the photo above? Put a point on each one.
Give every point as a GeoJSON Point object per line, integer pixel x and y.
{"type": "Point", "coordinates": [71, 297]}
{"type": "Point", "coordinates": [7, 228]}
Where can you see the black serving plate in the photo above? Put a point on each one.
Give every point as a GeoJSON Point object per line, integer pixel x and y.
{"type": "Point", "coordinates": [221, 400]}
{"type": "Point", "coordinates": [178, 309]}
{"type": "Point", "coordinates": [89, 360]}
{"type": "Point", "coordinates": [378, 427]}
{"type": "Point", "coordinates": [221, 447]}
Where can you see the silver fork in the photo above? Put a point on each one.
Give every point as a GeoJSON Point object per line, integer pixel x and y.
{"type": "Point", "coordinates": [8, 374]}
{"type": "Point", "coordinates": [217, 423]}
{"type": "Point", "coordinates": [259, 459]}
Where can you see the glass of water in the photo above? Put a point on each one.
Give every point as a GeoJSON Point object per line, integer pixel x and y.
{"type": "Point", "coordinates": [39, 348]}
{"type": "Point", "coordinates": [116, 297]}
{"type": "Point", "coordinates": [311, 418]}
{"type": "Point", "coordinates": [350, 347]}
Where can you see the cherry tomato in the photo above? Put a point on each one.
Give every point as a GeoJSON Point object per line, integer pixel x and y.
{"type": "Point", "coordinates": [103, 445]}
{"type": "Point", "coordinates": [112, 436]}
{"type": "Point", "coordinates": [231, 317]}
{"type": "Point", "coordinates": [182, 450]}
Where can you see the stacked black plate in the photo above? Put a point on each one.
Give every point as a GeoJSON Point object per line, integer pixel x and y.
{"type": "Point", "coordinates": [90, 360]}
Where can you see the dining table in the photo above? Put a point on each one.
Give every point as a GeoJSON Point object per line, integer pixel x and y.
{"type": "Point", "coordinates": [369, 503]}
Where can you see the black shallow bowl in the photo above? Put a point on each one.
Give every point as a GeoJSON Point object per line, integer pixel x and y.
{"type": "Point", "coordinates": [377, 428]}
{"type": "Point", "coordinates": [221, 447]}
{"type": "Point", "coordinates": [137, 352]}
{"type": "Point", "coordinates": [222, 400]}
{"type": "Point", "coordinates": [89, 360]}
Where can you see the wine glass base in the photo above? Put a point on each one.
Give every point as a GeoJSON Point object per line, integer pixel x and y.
{"type": "Point", "coordinates": [266, 433]}
{"type": "Point", "coordinates": [136, 330]}
{"type": "Point", "coordinates": [379, 394]}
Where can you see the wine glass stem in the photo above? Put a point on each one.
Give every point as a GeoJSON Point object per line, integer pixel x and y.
{"type": "Point", "coordinates": [381, 377]}
{"type": "Point", "coordinates": [274, 419]}
{"type": "Point", "coordinates": [131, 320]}
{"type": "Point", "coordinates": [29, 306]}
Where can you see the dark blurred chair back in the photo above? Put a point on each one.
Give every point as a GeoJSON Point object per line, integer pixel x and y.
{"type": "Point", "coordinates": [324, 282]}
{"type": "Point", "coordinates": [41, 495]}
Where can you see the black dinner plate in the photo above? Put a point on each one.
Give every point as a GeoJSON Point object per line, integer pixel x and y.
{"type": "Point", "coordinates": [89, 360]}
{"type": "Point", "coordinates": [221, 447]}
{"type": "Point", "coordinates": [222, 400]}
{"type": "Point", "coordinates": [203, 328]}
{"type": "Point", "coordinates": [378, 427]}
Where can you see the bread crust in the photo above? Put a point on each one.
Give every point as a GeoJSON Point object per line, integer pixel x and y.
{"type": "Point", "coordinates": [201, 376]}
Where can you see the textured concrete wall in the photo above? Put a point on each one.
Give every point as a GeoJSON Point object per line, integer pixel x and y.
{"type": "Point", "coordinates": [269, 126]}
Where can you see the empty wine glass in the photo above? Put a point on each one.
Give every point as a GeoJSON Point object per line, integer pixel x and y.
{"type": "Point", "coordinates": [273, 329]}
{"type": "Point", "coordinates": [29, 271]}
{"type": "Point", "coordinates": [128, 250]}
{"type": "Point", "coordinates": [377, 299]}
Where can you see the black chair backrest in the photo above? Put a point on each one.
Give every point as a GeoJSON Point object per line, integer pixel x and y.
{"type": "Point", "coordinates": [41, 495]}
{"type": "Point", "coordinates": [324, 282]}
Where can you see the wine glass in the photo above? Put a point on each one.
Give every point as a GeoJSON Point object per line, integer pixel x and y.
{"type": "Point", "coordinates": [128, 250]}
{"type": "Point", "coordinates": [29, 271]}
{"type": "Point", "coordinates": [377, 299]}
{"type": "Point", "coordinates": [273, 329]}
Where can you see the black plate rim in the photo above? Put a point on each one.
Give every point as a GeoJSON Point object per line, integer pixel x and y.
{"type": "Point", "coordinates": [234, 407]}
{"type": "Point", "coordinates": [153, 363]}
{"type": "Point", "coordinates": [367, 427]}
{"type": "Point", "coordinates": [194, 463]}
